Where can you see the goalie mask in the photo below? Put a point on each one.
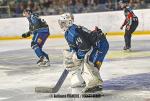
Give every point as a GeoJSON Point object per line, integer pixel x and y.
{"type": "Point", "coordinates": [65, 21]}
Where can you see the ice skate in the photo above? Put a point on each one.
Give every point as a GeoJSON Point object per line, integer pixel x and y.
{"type": "Point", "coordinates": [127, 49]}
{"type": "Point", "coordinates": [93, 90]}
{"type": "Point", "coordinates": [43, 62]}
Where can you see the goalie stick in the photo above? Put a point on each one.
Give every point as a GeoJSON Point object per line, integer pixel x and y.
{"type": "Point", "coordinates": [56, 87]}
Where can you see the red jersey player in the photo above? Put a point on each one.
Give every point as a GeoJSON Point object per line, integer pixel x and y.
{"type": "Point", "coordinates": [131, 23]}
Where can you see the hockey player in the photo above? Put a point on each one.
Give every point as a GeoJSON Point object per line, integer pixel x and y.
{"type": "Point", "coordinates": [131, 23]}
{"type": "Point", "coordinates": [40, 30]}
{"type": "Point", "coordinates": [87, 48]}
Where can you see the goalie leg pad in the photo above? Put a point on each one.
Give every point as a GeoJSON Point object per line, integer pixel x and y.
{"type": "Point", "coordinates": [76, 78]}
{"type": "Point", "coordinates": [90, 73]}
{"type": "Point", "coordinates": [67, 61]}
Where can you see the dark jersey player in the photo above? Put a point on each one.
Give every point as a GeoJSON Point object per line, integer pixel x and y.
{"type": "Point", "coordinates": [131, 23]}
{"type": "Point", "coordinates": [40, 31]}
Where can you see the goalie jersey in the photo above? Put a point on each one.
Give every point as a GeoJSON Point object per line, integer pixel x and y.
{"type": "Point", "coordinates": [80, 39]}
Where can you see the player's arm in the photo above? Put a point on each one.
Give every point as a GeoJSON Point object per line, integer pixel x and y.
{"type": "Point", "coordinates": [28, 34]}
{"type": "Point", "coordinates": [124, 23]}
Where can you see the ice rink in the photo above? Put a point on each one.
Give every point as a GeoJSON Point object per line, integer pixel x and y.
{"type": "Point", "coordinates": [126, 75]}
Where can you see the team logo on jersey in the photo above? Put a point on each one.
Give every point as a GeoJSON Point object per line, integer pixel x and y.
{"type": "Point", "coordinates": [39, 40]}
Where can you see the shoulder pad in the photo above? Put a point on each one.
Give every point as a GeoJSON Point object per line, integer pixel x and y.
{"type": "Point", "coordinates": [84, 29]}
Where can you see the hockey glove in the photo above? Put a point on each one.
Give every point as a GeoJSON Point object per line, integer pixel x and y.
{"type": "Point", "coordinates": [76, 61]}
{"type": "Point", "coordinates": [70, 60]}
{"type": "Point", "coordinates": [27, 34]}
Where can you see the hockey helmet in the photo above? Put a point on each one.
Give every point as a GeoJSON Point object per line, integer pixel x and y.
{"type": "Point", "coordinates": [65, 21]}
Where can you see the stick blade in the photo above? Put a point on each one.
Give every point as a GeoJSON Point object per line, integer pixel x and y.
{"type": "Point", "coordinates": [56, 88]}
{"type": "Point", "coordinates": [44, 90]}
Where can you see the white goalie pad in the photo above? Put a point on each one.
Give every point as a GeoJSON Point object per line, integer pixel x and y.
{"type": "Point", "coordinates": [76, 61]}
{"type": "Point", "coordinates": [90, 73]}
{"type": "Point", "coordinates": [74, 65]}
{"type": "Point", "coordinates": [76, 78]}
{"type": "Point", "coordinates": [67, 61]}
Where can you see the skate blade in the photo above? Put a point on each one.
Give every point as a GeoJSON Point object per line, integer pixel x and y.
{"type": "Point", "coordinates": [129, 50]}
{"type": "Point", "coordinates": [44, 65]}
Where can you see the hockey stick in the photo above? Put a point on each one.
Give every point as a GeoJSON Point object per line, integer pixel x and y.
{"type": "Point", "coordinates": [56, 87]}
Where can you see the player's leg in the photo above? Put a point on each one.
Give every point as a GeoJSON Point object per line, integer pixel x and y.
{"type": "Point", "coordinates": [76, 78]}
{"type": "Point", "coordinates": [37, 44]}
{"type": "Point", "coordinates": [93, 56]}
{"type": "Point", "coordinates": [91, 68]}
{"type": "Point", "coordinates": [41, 41]}
{"type": "Point", "coordinates": [91, 76]}
{"type": "Point", "coordinates": [129, 34]}
{"type": "Point", "coordinates": [127, 39]}
{"type": "Point", "coordinates": [102, 49]}
{"type": "Point", "coordinates": [133, 28]}
{"type": "Point", "coordinates": [129, 44]}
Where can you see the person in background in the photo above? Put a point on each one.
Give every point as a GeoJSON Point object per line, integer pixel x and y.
{"type": "Point", "coordinates": [40, 30]}
{"type": "Point", "coordinates": [131, 23]}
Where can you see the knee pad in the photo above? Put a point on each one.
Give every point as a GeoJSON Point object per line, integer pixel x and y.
{"type": "Point", "coordinates": [98, 64]}
{"type": "Point", "coordinates": [34, 45]}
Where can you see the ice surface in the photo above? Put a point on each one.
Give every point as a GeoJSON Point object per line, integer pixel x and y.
{"type": "Point", "coordinates": [126, 75]}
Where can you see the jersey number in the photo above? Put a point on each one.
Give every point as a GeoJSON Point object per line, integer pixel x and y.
{"type": "Point", "coordinates": [78, 41]}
